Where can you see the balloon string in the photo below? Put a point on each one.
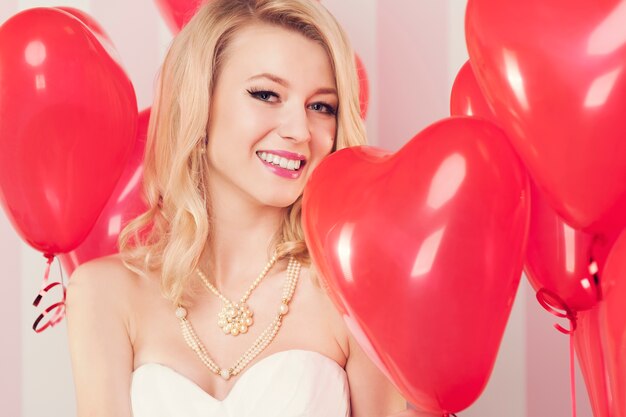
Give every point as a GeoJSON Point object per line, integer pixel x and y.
{"type": "Point", "coordinates": [58, 308]}
{"type": "Point", "coordinates": [572, 374]}
{"type": "Point", "coordinates": [553, 303]}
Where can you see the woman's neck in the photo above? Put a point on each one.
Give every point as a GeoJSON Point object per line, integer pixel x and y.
{"type": "Point", "coordinates": [241, 239]}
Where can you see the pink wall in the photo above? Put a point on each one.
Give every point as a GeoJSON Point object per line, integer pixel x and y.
{"type": "Point", "coordinates": [10, 353]}
{"type": "Point", "coordinates": [412, 68]}
{"type": "Point", "coordinates": [7, 9]}
{"type": "Point", "coordinates": [134, 30]}
{"type": "Point", "coordinates": [11, 338]}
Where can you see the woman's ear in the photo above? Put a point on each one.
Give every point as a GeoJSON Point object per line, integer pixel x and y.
{"type": "Point", "coordinates": [204, 141]}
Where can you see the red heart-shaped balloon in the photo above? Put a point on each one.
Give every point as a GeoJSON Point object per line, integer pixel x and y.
{"type": "Point", "coordinates": [558, 257]}
{"type": "Point", "coordinates": [89, 21]}
{"type": "Point", "coordinates": [555, 74]}
{"type": "Point", "coordinates": [96, 29]}
{"type": "Point", "coordinates": [69, 117]}
{"type": "Point", "coordinates": [466, 99]}
{"type": "Point", "coordinates": [422, 252]}
{"type": "Point", "coordinates": [125, 204]}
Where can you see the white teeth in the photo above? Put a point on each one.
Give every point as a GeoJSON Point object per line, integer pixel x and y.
{"type": "Point", "coordinates": [290, 164]}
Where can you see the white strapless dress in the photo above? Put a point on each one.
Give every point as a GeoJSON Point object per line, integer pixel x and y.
{"type": "Point", "coordinates": [290, 383]}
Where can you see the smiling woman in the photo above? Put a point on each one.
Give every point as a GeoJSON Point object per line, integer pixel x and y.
{"type": "Point", "coordinates": [206, 314]}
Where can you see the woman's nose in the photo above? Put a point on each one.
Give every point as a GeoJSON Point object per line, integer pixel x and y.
{"type": "Point", "coordinates": [295, 125]}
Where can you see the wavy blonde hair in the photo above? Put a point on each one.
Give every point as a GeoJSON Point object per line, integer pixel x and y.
{"type": "Point", "coordinates": [170, 236]}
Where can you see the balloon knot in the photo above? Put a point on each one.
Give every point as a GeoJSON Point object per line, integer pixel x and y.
{"type": "Point", "coordinates": [556, 306]}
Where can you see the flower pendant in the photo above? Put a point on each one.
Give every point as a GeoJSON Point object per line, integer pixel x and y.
{"type": "Point", "coordinates": [235, 319]}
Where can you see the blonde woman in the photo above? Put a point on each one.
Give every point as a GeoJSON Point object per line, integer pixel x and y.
{"type": "Point", "coordinates": [212, 307]}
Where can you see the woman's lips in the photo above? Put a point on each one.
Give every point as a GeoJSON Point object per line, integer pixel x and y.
{"type": "Point", "coordinates": [283, 172]}
{"type": "Point", "coordinates": [285, 154]}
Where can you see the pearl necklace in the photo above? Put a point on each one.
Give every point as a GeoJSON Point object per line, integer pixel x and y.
{"type": "Point", "coordinates": [236, 318]}
{"type": "Point", "coordinates": [264, 339]}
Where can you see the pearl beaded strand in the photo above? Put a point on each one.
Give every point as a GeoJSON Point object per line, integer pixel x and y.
{"type": "Point", "coordinates": [262, 341]}
{"type": "Point", "coordinates": [236, 318]}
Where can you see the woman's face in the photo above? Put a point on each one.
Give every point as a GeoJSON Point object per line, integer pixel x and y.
{"type": "Point", "coordinates": [273, 109]}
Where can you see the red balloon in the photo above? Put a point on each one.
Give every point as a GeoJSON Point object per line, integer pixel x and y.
{"type": "Point", "coordinates": [613, 323]}
{"type": "Point", "coordinates": [68, 117]}
{"type": "Point", "coordinates": [422, 253]}
{"type": "Point", "coordinates": [558, 257]}
{"type": "Point", "coordinates": [588, 344]}
{"type": "Point", "coordinates": [125, 204]}
{"type": "Point", "coordinates": [466, 99]}
{"type": "Point", "coordinates": [96, 29]}
{"type": "Point", "coordinates": [364, 88]}
{"type": "Point", "coordinates": [555, 74]}
{"type": "Point", "coordinates": [89, 21]}
{"type": "Point", "coordinates": [177, 12]}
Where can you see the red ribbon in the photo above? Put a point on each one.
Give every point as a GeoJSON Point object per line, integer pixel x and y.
{"type": "Point", "coordinates": [58, 308]}
{"type": "Point", "coordinates": [553, 303]}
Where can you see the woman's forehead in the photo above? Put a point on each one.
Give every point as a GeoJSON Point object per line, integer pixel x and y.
{"type": "Point", "coordinates": [271, 49]}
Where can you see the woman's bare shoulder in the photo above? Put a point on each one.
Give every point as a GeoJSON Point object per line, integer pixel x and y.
{"type": "Point", "coordinates": [104, 272]}
{"type": "Point", "coordinates": [106, 264]}
{"type": "Point", "coordinates": [103, 281]}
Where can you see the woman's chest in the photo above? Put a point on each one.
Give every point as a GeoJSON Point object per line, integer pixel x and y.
{"type": "Point", "coordinates": [161, 338]}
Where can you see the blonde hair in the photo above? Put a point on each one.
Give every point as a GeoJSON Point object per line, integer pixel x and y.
{"type": "Point", "coordinates": [172, 233]}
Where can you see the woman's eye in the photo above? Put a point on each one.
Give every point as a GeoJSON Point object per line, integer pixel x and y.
{"type": "Point", "coordinates": [263, 95]}
{"type": "Point", "coordinates": [321, 106]}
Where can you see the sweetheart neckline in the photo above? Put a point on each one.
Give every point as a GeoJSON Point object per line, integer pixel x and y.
{"type": "Point", "coordinates": [241, 377]}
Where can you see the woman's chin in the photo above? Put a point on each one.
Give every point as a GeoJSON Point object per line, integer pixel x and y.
{"type": "Point", "coordinates": [282, 201]}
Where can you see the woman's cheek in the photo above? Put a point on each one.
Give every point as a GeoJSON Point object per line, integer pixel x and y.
{"type": "Point", "coordinates": [324, 141]}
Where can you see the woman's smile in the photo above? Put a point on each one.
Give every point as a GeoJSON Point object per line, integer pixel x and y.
{"type": "Point", "coordinates": [280, 165]}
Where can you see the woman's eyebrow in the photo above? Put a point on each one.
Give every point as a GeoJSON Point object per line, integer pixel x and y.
{"type": "Point", "coordinates": [326, 91]}
{"type": "Point", "coordinates": [272, 77]}
{"type": "Point", "coordinates": [285, 83]}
